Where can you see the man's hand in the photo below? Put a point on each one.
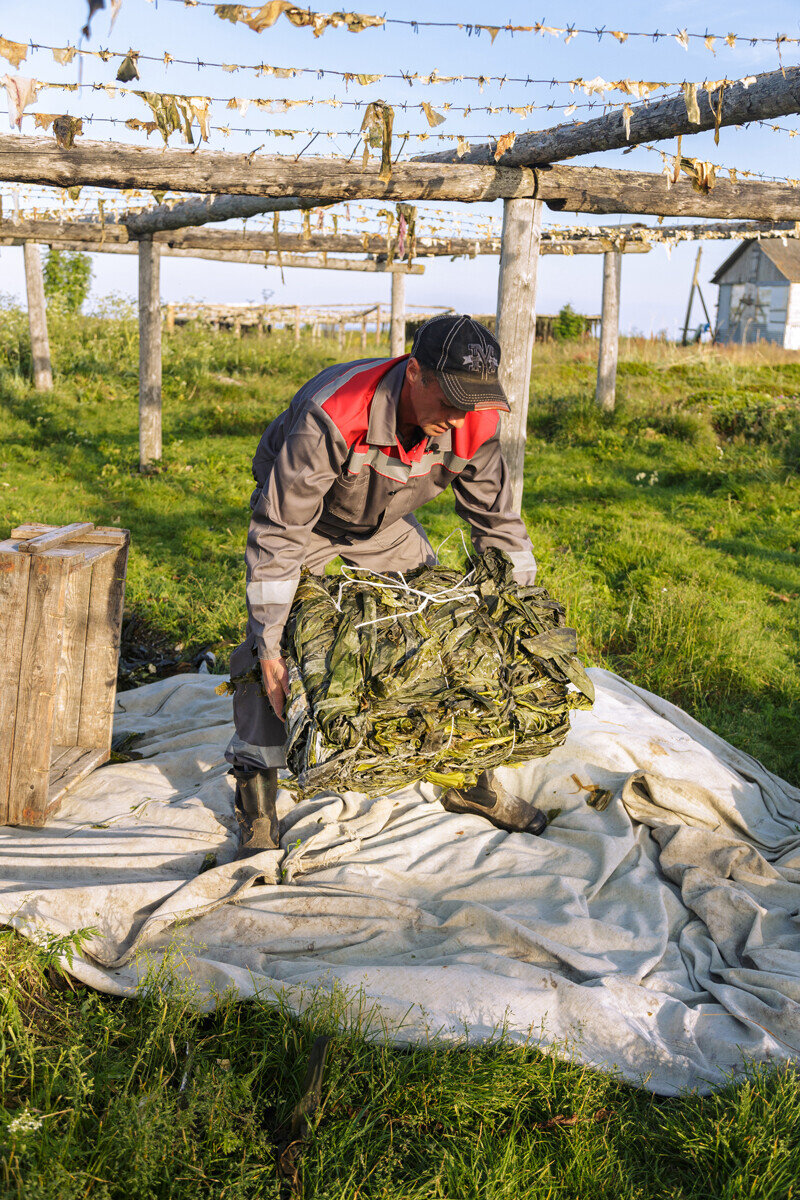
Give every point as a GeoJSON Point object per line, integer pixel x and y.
{"type": "Point", "coordinates": [276, 683]}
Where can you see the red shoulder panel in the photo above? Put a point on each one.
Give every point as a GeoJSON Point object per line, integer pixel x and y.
{"type": "Point", "coordinates": [348, 406]}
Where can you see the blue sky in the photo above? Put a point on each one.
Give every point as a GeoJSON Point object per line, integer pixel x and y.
{"type": "Point", "coordinates": [654, 286]}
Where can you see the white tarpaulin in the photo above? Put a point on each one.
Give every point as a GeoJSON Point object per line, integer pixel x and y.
{"type": "Point", "coordinates": [659, 938]}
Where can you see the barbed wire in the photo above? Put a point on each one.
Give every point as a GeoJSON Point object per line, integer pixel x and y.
{"type": "Point", "coordinates": [734, 173]}
{"type": "Point", "coordinates": [365, 78]}
{"type": "Point", "coordinates": [570, 29]}
{"type": "Point", "coordinates": [285, 103]}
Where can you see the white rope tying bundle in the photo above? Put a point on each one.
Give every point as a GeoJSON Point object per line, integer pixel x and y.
{"type": "Point", "coordinates": [401, 584]}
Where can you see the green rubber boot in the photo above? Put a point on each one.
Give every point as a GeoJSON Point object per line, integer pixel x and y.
{"type": "Point", "coordinates": [256, 792]}
{"type": "Point", "coordinates": [489, 799]}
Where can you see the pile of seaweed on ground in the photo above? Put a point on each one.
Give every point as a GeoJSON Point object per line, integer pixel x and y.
{"type": "Point", "coordinates": [433, 675]}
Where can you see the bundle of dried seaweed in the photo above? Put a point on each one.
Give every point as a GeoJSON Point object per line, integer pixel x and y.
{"type": "Point", "coordinates": [435, 675]}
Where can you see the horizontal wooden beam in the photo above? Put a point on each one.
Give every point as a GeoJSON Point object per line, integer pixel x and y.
{"type": "Point", "coordinates": [652, 234]}
{"type": "Point", "coordinates": [320, 261]}
{"type": "Point", "coordinates": [94, 237]}
{"type": "Point", "coordinates": [605, 191]}
{"type": "Point", "coordinates": [584, 245]}
{"type": "Point", "coordinates": [49, 232]}
{"type": "Point", "coordinates": [99, 233]}
{"type": "Point", "coordinates": [117, 165]}
{"type": "Point", "coordinates": [563, 188]}
{"type": "Point", "coordinates": [772, 94]}
{"type": "Point", "coordinates": [249, 309]}
{"type": "Point", "coordinates": [256, 258]}
{"type": "Point", "coordinates": [201, 210]}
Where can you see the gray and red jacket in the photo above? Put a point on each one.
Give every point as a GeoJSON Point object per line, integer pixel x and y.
{"type": "Point", "coordinates": [332, 463]}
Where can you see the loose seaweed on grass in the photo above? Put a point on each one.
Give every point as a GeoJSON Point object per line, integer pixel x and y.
{"type": "Point", "coordinates": [434, 675]}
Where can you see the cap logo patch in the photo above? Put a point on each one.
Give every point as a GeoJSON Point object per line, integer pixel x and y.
{"type": "Point", "coordinates": [481, 359]}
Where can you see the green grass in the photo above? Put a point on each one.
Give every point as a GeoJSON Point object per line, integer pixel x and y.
{"type": "Point", "coordinates": [148, 1099]}
{"type": "Point", "coordinates": [670, 530]}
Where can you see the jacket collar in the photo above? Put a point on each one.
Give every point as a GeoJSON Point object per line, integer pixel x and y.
{"type": "Point", "coordinates": [382, 429]}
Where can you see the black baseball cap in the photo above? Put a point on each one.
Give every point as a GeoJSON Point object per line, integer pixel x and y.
{"type": "Point", "coordinates": [465, 357]}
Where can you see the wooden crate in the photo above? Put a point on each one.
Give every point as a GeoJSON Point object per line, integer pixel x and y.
{"type": "Point", "coordinates": [61, 595]}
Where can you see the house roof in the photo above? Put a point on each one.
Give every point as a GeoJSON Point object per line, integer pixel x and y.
{"type": "Point", "coordinates": [785, 258]}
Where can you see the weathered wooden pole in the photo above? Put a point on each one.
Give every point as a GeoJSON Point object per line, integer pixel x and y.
{"type": "Point", "coordinates": [398, 326]}
{"type": "Point", "coordinates": [691, 296]}
{"type": "Point", "coordinates": [565, 188]}
{"type": "Point", "coordinates": [204, 209]}
{"type": "Point", "coordinates": [170, 317]}
{"type": "Point", "coordinates": [760, 97]}
{"type": "Point", "coordinates": [609, 332]}
{"type": "Point", "coordinates": [378, 319]}
{"type": "Point", "coordinates": [149, 354]}
{"type": "Point", "coordinates": [516, 328]}
{"type": "Point", "coordinates": [341, 335]}
{"type": "Point", "coordinates": [296, 326]}
{"type": "Point", "coordinates": [37, 319]}
{"type": "Point", "coordinates": [363, 334]}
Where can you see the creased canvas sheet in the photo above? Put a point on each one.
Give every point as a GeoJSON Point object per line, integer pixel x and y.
{"type": "Point", "coordinates": [658, 938]}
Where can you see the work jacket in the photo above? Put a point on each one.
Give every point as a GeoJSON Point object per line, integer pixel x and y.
{"type": "Point", "coordinates": [332, 463]}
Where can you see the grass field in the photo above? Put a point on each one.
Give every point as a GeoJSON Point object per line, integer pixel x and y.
{"type": "Point", "coordinates": [670, 529]}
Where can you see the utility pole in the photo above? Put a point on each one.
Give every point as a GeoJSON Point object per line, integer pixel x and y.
{"type": "Point", "coordinates": [691, 296]}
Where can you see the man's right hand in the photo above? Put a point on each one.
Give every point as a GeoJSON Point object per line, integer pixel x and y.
{"type": "Point", "coordinates": [276, 683]}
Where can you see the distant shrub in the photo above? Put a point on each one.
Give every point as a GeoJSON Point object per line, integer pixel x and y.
{"type": "Point", "coordinates": [67, 278]}
{"type": "Point", "coordinates": [569, 325]}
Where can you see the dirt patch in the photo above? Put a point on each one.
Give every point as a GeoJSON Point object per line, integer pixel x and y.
{"type": "Point", "coordinates": [148, 653]}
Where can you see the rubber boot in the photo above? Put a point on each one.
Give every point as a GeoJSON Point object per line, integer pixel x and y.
{"type": "Point", "coordinates": [256, 792]}
{"type": "Point", "coordinates": [489, 799]}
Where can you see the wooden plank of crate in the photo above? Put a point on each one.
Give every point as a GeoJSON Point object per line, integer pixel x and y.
{"type": "Point", "coordinates": [57, 753]}
{"type": "Point", "coordinates": [41, 651]}
{"type": "Point", "coordinates": [106, 601]}
{"type": "Point", "coordinates": [80, 764]}
{"type": "Point", "coordinates": [69, 683]}
{"type": "Point", "coordinates": [14, 571]}
{"type": "Point", "coordinates": [61, 761]}
{"type": "Point", "coordinates": [101, 535]}
{"type": "Point", "coordinates": [54, 539]}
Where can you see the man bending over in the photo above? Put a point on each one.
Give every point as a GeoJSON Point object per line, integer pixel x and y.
{"type": "Point", "coordinates": [341, 472]}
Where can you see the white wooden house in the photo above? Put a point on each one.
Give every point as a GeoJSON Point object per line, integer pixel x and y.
{"type": "Point", "coordinates": [759, 294]}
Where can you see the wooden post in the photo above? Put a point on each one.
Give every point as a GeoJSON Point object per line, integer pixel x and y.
{"type": "Point", "coordinates": [170, 317]}
{"type": "Point", "coordinates": [149, 354]}
{"type": "Point", "coordinates": [296, 326]}
{"type": "Point", "coordinates": [363, 335]}
{"type": "Point", "coordinates": [516, 328]}
{"type": "Point", "coordinates": [398, 325]}
{"type": "Point", "coordinates": [37, 319]}
{"type": "Point", "coordinates": [691, 296]}
{"type": "Point", "coordinates": [378, 316]}
{"type": "Point", "coordinates": [341, 335]}
{"type": "Point", "coordinates": [609, 332]}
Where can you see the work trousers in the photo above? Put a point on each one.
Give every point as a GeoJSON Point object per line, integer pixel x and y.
{"type": "Point", "coordinates": [260, 735]}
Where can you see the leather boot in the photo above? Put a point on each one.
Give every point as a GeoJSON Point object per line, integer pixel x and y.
{"type": "Point", "coordinates": [256, 792]}
{"type": "Point", "coordinates": [489, 799]}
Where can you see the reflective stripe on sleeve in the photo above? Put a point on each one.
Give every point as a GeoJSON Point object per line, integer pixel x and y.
{"type": "Point", "coordinates": [274, 591]}
{"type": "Point", "coordinates": [524, 565]}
